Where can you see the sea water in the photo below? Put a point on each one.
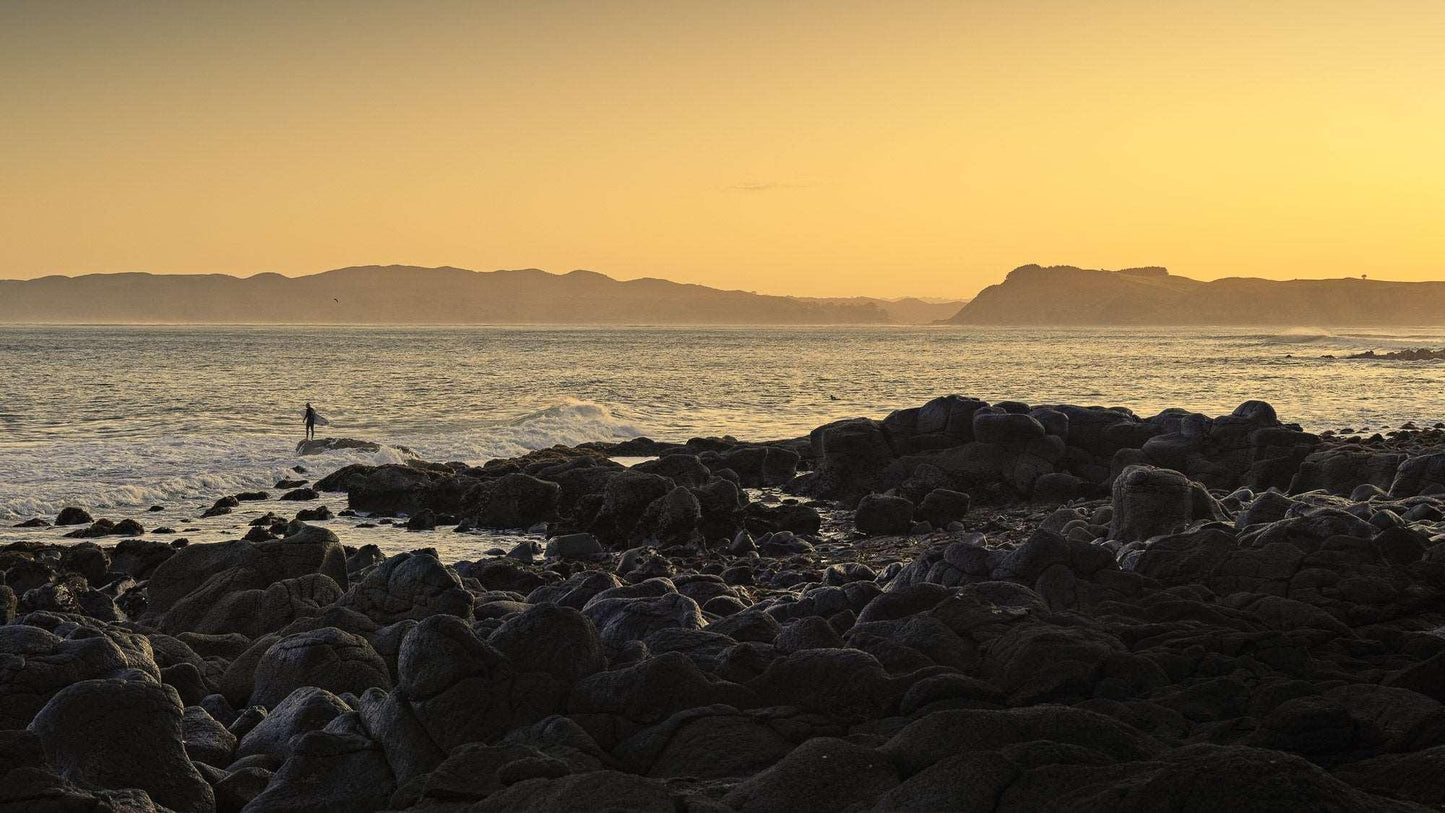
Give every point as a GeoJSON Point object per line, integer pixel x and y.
{"type": "Point", "coordinates": [121, 418]}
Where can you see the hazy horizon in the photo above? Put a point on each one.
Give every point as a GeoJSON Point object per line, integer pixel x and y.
{"type": "Point", "coordinates": [553, 272]}
{"type": "Point", "coordinates": [886, 297]}
{"type": "Point", "coordinates": [850, 149]}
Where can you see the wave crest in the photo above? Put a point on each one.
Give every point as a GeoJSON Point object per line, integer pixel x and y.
{"type": "Point", "coordinates": [40, 479]}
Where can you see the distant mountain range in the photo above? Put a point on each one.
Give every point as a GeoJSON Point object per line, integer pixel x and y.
{"type": "Point", "coordinates": [397, 294]}
{"type": "Point", "coordinates": [1065, 295]}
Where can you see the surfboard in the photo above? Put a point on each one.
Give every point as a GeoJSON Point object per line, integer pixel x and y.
{"type": "Point", "coordinates": [320, 421]}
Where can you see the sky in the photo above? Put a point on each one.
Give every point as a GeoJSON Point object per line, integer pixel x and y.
{"type": "Point", "coordinates": [822, 149]}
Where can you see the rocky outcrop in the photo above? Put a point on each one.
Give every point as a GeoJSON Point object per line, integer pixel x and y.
{"type": "Point", "coordinates": [313, 446]}
{"type": "Point", "coordinates": [1050, 607]}
{"type": "Point", "coordinates": [116, 734]}
{"type": "Point", "coordinates": [408, 586]}
{"type": "Point", "coordinates": [1012, 451]}
{"type": "Point", "coordinates": [306, 550]}
{"type": "Point", "coordinates": [1065, 295]}
{"type": "Point", "coordinates": [326, 658]}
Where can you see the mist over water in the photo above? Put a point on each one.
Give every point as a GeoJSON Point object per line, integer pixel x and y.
{"type": "Point", "coordinates": [128, 416]}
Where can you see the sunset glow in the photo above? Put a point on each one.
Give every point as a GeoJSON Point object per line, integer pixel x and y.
{"type": "Point", "coordinates": [820, 149]}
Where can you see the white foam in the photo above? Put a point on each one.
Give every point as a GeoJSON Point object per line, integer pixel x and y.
{"type": "Point", "coordinates": [116, 473]}
{"type": "Point", "coordinates": [1306, 331]}
{"type": "Point", "coordinates": [1322, 340]}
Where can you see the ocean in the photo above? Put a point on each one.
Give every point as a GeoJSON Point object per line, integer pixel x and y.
{"type": "Point", "coordinates": [121, 418]}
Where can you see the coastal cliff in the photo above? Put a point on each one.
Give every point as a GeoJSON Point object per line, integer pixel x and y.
{"type": "Point", "coordinates": [1065, 295]}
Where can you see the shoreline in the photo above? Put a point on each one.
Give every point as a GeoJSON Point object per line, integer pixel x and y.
{"type": "Point", "coordinates": [962, 600]}
{"type": "Point", "coordinates": [170, 492]}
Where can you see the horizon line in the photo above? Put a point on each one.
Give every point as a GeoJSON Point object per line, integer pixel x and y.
{"type": "Point", "coordinates": [930, 298]}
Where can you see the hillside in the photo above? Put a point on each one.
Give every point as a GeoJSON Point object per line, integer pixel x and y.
{"type": "Point", "coordinates": [1065, 295]}
{"type": "Point", "coordinates": [412, 295]}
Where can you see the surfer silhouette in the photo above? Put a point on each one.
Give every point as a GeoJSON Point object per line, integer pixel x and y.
{"type": "Point", "coordinates": [310, 421]}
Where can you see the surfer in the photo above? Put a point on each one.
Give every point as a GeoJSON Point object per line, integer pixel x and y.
{"type": "Point", "coordinates": [310, 421]}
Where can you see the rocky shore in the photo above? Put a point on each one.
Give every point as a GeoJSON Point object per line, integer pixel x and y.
{"type": "Point", "coordinates": [962, 606]}
{"type": "Point", "coordinates": [1412, 354]}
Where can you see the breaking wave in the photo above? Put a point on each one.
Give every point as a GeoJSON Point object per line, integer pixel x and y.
{"type": "Point", "coordinates": [1328, 341]}
{"type": "Point", "coordinates": [38, 479]}
{"type": "Point", "coordinates": [567, 423]}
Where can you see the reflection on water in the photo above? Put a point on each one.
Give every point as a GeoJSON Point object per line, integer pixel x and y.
{"type": "Point", "coordinates": [123, 415]}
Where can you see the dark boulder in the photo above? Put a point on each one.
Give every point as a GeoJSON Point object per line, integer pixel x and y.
{"type": "Point", "coordinates": [851, 455]}
{"type": "Point", "coordinates": [972, 780]}
{"type": "Point", "coordinates": [40, 663]}
{"type": "Point", "coordinates": [1210, 777]}
{"type": "Point", "coordinates": [1342, 470]}
{"type": "Point", "coordinates": [475, 771]}
{"type": "Point", "coordinates": [620, 620]}
{"type": "Point", "coordinates": [409, 585]}
{"type": "Point", "coordinates": [1004, 428]}
{"type": "Point", "coordinates": [123, 734]}
{"type": "Point", "coordinates": [28, 574]}
{"type": "Point", "coordinates": [672, 519]}
{"type": "Point", "coordinates": [104, 527]}
{"type": "Point", "coordinates": [1426, 677]}
{"type": "Point", "coordinates": [453, 688]}
{"type": "Point", "coordinates": [306, 709]}
{"type": "Point", "coordinates": [1417, 777]}
{"type": "Point", "coordinates": [747, 626]}
{"type": "Point", "coordinates": [138, 558]}
{"type": "Point", "coordinates": [555, 640]}
{"type": "Point", "coordinates": [206, 740]}
{"type": "Point", "coordinates": [879, 514]}
{"type": "Point", "coordinates": [231, 601]}
{"type": "Point", "coordinates": [682, 469]}
{"type": "Point", "coordinates": [389, 489]}
{"type": "Point", "coordinates": [426, 520]}
{"type": "Point", "coordinates": [624, 502]}
{"type": "Point", "coordinates": [306, 550]}
{"type": "Point", "coordinates": [1059, 487]}
{"type": "Point", "coordinates": [575, 546]}
{"type": "Point", "coordinates": [823, 773]}
{"type": "Point", "coordinates": [760, 466]}
{"type": "Point", "coordinates": [89, 560]}
{"type": "Point", "coordinates": [326, 658]}
{"type": "Point", "coordinates": [942, 506]}
{"type": "Point", "coordinates": [652, 690]}
{"type": "Point", "coordinates": [1424, 474]}
{"type": "Point", "coordinates": [337, 770]}
{"type": "Point", "coordinates": [937, 736]}
{"type": "Point", "coordinates": [1149, 501]}
{"type": "Point", "coordinates": [73, 515]}
{"type": "Point", "coordinates": [512, 501]}
{"type": "Point", "coordinates": [721, 505]}
{"type": "Point", "coordinates": [596, 790]}
{"type": "Point", "coordinates": [843, 682]}
{"type": "Point", "coordinates": [318, 514]}
{"type": "Point", "coordinates": [711, 742]}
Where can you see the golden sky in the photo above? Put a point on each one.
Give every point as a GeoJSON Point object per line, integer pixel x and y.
{"type": "Point", "coordinates": [874, 148]}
